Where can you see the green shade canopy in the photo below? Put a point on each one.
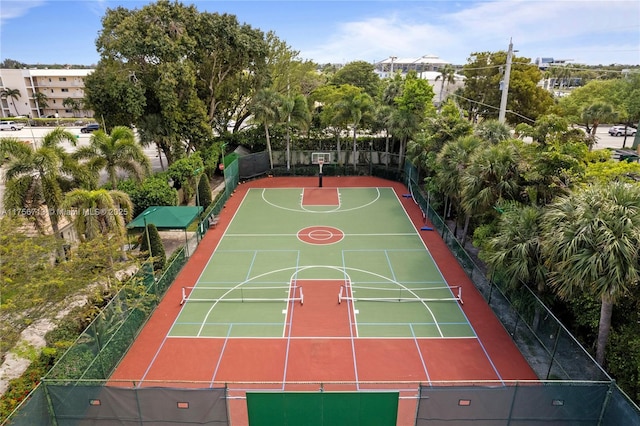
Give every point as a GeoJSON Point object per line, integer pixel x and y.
{"type": "Point", "coordinates": [166, 217]}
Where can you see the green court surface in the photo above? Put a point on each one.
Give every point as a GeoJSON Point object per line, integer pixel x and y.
{"type": "Point", "coordinates": [277, 243]}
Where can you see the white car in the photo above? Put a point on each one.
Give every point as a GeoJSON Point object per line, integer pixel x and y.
{"type": "Point", "coordinates": [11, 125]}
{"type": "Point", "coordinates": [620, 131]}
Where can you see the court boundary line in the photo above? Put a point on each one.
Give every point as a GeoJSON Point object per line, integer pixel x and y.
{"type": "Point", "coordinates": [320, 205]}
{"type": "Point", "coordinates": [302, 210]}
{"type": "Point", "coordinates": [484, 349]}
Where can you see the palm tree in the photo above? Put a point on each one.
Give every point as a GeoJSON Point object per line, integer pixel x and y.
{"type": "Point", "coordinates": [515, 250]}
{"type": "Point", "coordinates": [595, 114]}
{"type": "Point", "coordinates": [296, 112]}
{"type": "Point", "coordinates": [404, 124]}
{"type": "Point", "coordinates": [382, 122]}
{"type": "Point", "coordinates": [99, 212]}
{"type": "Point", "coordinates": [492, 177]}
{"type": "Point", "coordinates": [113, 152]}
{"type": "Point", "coordinates": [39, 177]}
{"type": "Point", "coordinates": [73, 104]}
{"type": "Point", "coordinates": [42, 101]}
{"type": "Point", "coordinates": [353, 108]}
{"type": "Point", "coordinates": [11, 94]}
{"type": "Point", "coordinates": [493, 131]}
{"type": "Point", "coordinates": [448, 76]}
{"type": "Point", "coordinates": [452, 161]}
{"type": "Point", "coordinates": [592, 244]}
{"type": "Point", "coordinates": [265, 109]}
{"type": "Point", "coordinates": [516, 247]}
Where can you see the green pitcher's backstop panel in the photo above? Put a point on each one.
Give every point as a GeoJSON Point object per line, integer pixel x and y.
{"type": "Point", "coordinates": [322, 408]}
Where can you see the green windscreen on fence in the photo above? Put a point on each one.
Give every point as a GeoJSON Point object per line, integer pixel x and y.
{"type": "Point", "coordinates": [322, 408]}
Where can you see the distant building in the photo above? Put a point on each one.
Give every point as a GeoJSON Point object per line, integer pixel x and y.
{"type": "Point", "coordinates": [393, 64]}
{"type": "Point", "coordinates": [56, 84]}
{"type": "Point", "coordinates": [545, 63]}
{"type": "Point", "coordinates": [427, 67]}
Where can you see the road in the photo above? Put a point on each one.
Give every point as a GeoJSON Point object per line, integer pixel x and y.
{"type": "Point", "coordinates": [33, 135]}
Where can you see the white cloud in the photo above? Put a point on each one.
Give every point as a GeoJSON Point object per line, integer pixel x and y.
{"type": "Point", "coordinates": [587, 31]}
{"type": "Point", "coordinates": [15, 9]}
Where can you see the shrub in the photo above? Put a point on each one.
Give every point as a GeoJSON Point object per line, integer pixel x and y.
{"type": "Point", "coordinates": [204, 192]}
{"type": "Point", "coordinates": [157, 248]}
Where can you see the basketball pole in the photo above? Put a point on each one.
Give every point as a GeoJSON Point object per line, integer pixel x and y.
{"type": "Point", "coordinates": [320, 174]}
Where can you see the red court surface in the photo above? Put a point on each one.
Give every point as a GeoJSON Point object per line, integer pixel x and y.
{"type": "Point", "coordinates": [319, 350]}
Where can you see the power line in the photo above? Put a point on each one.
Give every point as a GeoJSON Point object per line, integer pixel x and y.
{"type": "Point", "coordinates": [494, 107]}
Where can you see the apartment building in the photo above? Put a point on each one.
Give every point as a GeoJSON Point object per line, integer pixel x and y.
{"type": "Point", "coordinates": [427, 67]}
{"type": "Point", "coordinates": [44, 93]}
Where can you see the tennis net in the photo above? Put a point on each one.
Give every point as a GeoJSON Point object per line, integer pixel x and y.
{"type": "Point", "coordinates": [289, 294]}
{"type": "Point", "coordinates": [350, 292]}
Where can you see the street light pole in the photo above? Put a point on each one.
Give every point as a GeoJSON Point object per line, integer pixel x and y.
{"type": "Point", "coordinates": [196, 173]}
{"type": "Point", "coordinates": [146, 231]}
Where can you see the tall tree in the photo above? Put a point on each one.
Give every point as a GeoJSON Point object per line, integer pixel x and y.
{"type": "Point", "coordinates": [113, 152]}
{"type": "Point", "coordinates": [225, 50]}
{"type": "Point", "coordinates": [595, 114]}
{"type": "Point", "coordinates": [36, 179]}
{"type": "Point", "coordinates": [413, 106]}
{"type": "Point", "coordinates": [492, 177]}
{"type": "Point", "coordinates": [11, 95]}
{"type": "Point", "coordinates": [359, 74]}
{"type": "Point", "coordinates": [115, 94]}
{"type": "Point", "coordinates": [325, 99]}
{"type": "Point", "coordinates": [447, 76]}
{"type": "Point", "coordinates": [180, 58]}
{"type": "Point", "coordinates": [266, 111]}
{"type": "Point", "coordinates": [451, 162]}
{"type": "Point", "coordinates": [592, 244]}
{"type": "Point", "coordinates": [481, 94]}
{"type": "Point", "coordinates": [42, 101]}
{"type": "Point", "coordinates": [294, 111]}
{"type": "Point", "coordinates": [354, 107]}
{"type": "Point", "coordinates": [73, 104]}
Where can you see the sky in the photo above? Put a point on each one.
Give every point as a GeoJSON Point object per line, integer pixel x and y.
{"type": "Point", "coordinates": [591, 32]}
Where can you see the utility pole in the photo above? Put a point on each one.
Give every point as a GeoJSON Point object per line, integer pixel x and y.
{"type": "Point", "coordinates": [505, 84]}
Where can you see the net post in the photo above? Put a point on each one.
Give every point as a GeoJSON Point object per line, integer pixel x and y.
{"type": "Point", "coordinates": [184, 297]}
{"type": "Point", "coordinates": [460, 295]}
{"type": "Point", "coordinates": [301, 297]}
{"type": "Point", "coordinates": [340, 295]}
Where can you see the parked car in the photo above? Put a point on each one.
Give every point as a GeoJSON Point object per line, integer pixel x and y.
{"type": "Point", "coordinates": [11, 125]}
{"type": "Point", "coordinates": [620, 131]}
{"type": "Point", "coordinates": [90, 128]}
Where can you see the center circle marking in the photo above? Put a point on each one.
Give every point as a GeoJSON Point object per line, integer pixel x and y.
{"type": "Point", "coordinates": [320, 235]}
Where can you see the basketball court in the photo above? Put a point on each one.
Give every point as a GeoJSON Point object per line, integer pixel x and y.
{"type": "Point", "coordinates": [326, 283]}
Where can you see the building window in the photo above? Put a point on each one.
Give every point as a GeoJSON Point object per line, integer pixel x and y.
{"type": "Point", "coordinates": [65, 90]}
{"type": "Point", "coordinates": [62, 79]}
{"type": "Point", "coordinates": [51, 90]}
